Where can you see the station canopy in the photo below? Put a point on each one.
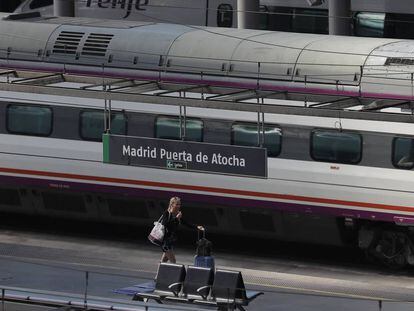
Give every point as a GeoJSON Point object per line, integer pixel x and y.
{"type": "Point", "coordinates": [206, 96]}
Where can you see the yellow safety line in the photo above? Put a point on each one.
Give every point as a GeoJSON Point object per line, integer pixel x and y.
{"type": "Point", "coordinates": [344, 295]}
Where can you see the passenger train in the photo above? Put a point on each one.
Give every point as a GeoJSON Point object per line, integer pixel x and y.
{"type": "Point", "coordinates": [218, 13]}
{"type": "Point", "coordinates": [382, 18]}
{"type": "Point", "coordinates": [338, 176]}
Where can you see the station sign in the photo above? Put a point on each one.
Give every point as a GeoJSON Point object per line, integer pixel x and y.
{"type": "Point", "coordinates": [185, 155]}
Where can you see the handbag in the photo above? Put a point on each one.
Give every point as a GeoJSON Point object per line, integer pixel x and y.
{"type": "Point", "coordinates": [157, 233]}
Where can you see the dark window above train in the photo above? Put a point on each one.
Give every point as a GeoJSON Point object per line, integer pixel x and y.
{"type": "Point", "coordinates": [35, 4]}
{"type": "Point", "coordinates": [248, 134]}
{"type": "Point", "coordinates": [398, 26]}
{"type": "Point", "coordinates": [337, 147]}
{"type": "Point", "coordinates": [298, 20]}
{"type": "Point", "coordinates": [169, 128]}
{"type": "Point", "coordinates": [92, 124]}
{"type": "Point", "coordinates": [310, 21]}
{"type": "Point", "coordinates": [225, 15]}
{"type": "Point", "coordinates": [398, 61]}
{"type": "Point", "coordinates": [369, 24]}
{"type": "Point", "coordinates": [403, 153]}
{"type": "Point", "coordinates": [29, 120]}
{"type": "Point", "coordinates": [264, 18]}
{"type": "Point", "coordinates": [387, 25]}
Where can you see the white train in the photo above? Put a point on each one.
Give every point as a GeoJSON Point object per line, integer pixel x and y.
{"type": "Point", "coordinates": [216, 13]}
{"type": "Point", "coordinates": [382, 18]}
{"type": "Point", "coordinates": [336, 174]}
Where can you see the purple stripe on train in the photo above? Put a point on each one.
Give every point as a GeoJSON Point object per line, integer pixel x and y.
{"type": "Point", "coordinates": [202, 198]}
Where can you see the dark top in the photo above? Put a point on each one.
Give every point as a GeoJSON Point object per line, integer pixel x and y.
{"type": "Point", "coordinates": [171, 224]}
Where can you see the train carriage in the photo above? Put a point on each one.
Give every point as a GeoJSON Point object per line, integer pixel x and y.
{"type": "Point", "coordinates": [333, 114]}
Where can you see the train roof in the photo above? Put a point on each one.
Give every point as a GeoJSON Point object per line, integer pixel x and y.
{"type": "Point", "coordinates": [194, 41]}
{"type": "Point", "coordinates": [179, 48]}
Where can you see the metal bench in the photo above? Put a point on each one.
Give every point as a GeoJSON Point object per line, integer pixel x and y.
{"type": "Point", "coordinates": [197, 285]}
{"type": "Point", "coordinates": [169, 281]}
{"type": "Point", "coordinates": [223, 290]}
{"type": "Point", "coordinates": [228, 291]}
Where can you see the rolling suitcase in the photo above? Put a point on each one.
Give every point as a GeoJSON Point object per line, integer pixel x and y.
{"type": "Point", "coordinates": [203, 257]}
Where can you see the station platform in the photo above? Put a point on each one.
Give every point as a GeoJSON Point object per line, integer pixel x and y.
{"type": "Point", "coordinates": [77, 266]}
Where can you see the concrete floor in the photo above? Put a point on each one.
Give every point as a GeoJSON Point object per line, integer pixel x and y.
{"type": "Point", "coordinates": [46, 261]}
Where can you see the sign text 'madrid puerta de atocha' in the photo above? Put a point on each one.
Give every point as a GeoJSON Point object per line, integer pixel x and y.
{"type": "Point", "coordinates": [185, 155]}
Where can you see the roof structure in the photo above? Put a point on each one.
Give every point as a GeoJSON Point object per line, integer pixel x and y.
{"type": "Point", "coordinates": [206, 96]}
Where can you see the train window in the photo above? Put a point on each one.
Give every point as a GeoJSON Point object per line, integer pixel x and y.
{"type": "Point", "coordinates": [225, 15]}
{"type": "Point", "coordinates": [246, 135]}
{"type": "Point", "coordinates": [398, 26]}
{"type": "Point", "coordinates": [338, 147]}
{"type": "Point", "coordinates": [92, 124]}
{"type": "Point", "coordinates": [367, 24]}
{"type": "Point", "coordinates": [35, 4]}
{"type": "Point", "coordinates": [403, 153]}
{"type": "Point", "coordinates": [298, 20]}
{"type": "Point", "coordinates": [264, 17]}
{"type": "Point", "coordinates": [29, 120]}
{"type": "Point", "coordinates": [169, 128]}
{"type": "Point", "coordinates": [310, 21]}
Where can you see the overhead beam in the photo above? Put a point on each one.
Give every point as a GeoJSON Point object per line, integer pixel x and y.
{"type": "Point", "coordinates": [114, 82]}
{"type": "Point", "coordinates": [42, 80]}
{"type": "Point", "coordinates": [381, 104]}
{"type": "Point", "coordinates": [183, 89]}
{"type": "Point", "coordinates": [204, 103]}
{"type": "Point", "coordinates": [8, 72]}
{"type": "Point", "coordinates": [233, 96]}
{"type": "Point", "coordinates": [331, 103]}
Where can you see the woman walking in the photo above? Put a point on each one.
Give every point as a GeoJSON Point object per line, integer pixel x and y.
{"type": "Point", "coordinates": [172, 219]}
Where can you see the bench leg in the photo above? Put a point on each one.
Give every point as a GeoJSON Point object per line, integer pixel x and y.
{"type": "Point", "coordinates": [137, 298]}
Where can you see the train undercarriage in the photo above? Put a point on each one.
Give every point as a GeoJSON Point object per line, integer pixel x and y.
{"type": "Point", "coordinates": [387, 244]}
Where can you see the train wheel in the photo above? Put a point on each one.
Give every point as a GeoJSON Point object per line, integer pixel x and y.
{"type": "Point", "coordinates": [391, 249]}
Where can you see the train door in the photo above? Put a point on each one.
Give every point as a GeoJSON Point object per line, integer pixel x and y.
{"type": "Point", "coordinates": [222, 13]}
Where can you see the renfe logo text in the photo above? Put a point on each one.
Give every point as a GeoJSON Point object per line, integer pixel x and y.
{"type": "Point", "coordinates": [127, 5]}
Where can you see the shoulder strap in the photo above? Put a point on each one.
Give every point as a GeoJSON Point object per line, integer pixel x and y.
{"type": "Point", "coordinates": [162, 215]}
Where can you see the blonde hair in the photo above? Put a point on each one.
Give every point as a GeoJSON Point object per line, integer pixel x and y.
{"type": "Point", "coordinates": [174, 200]}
